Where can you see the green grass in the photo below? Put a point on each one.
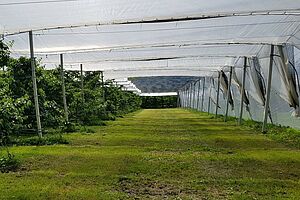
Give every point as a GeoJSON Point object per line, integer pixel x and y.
{"type": "Point", "coordinates": [158, 154]}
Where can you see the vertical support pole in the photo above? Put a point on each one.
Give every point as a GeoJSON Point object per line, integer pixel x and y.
{"type": "Point", "coordinates": [194, 95]}
{"type": "Point", "coordinates": [186, 97]}
{"type": "Point", "coordinates": [191, 89]}
{"type": "Point", "coordinates": [209, 98]}
{"type": "Point", "coordinates": [102, 85]}
{"type": "Point", "coordinates": [198, 95]}
{"type": "Point", "coordinates": [178, 99]}
{"type": "Point", "coordinates": [62, 76]}
{"type": "Point", "coordinates": [35, 93]}
{"type": "Point", "coordinates": [228, 94]}
{"type": "Point", "coordinates": [242, 92]}
{"type": "Point", "coordinates": [218, 94]}
{"type": "Point", "coordinates": [183, 97]}
{"type": "Point", "coordinates": [266, 111]}
{"type": "Point", "coordinates": [81, 82]}
{"type": "Point", "coordinates": [203, 95]}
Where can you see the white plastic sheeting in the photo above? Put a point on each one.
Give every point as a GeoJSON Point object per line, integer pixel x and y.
{"type": "Point", "coordinates": [127, 85]}
{"type": "Point", "coordinates": [24, 15]}
{"type": "Point", "coordinates": [284, 103]}
{"type": "Point", "coordinates": [98, 59]}
{"type": "Point", "coordinates": [132, 37]}
{"type": "Point", "coordinates": [119, 74]}
{"type": "Point", "coordinates": [162, 94]}
{"type": "Point", "coordinates": [123, 44]}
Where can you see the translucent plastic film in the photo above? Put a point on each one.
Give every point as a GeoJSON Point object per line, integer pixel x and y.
{"type": "Point", "coordinates": [24, 15]}
{"type": "Point", "coordinates": [281, 108]}
{"type": "Point", "coordinates": [238, 29]}
{"type": "Point", "coordinates": [229, 36]}
{"type": "Point", "coordinates": [119, 74]}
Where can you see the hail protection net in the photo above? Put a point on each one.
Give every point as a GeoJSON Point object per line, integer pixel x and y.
{"type": "Point", "coordinates": [133, 38]}
{"type": "Point", "coordinates": [184, 43]}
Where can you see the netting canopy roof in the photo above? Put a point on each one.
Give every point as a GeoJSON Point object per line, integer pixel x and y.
{"type": "Point", "coordinates": [136, 38]}
{"type": "Point", "coordinates": [25, 15]}
{"type": "Point", "coordinates": [157, 35]}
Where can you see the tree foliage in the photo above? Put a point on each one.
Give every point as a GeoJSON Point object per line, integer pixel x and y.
{"type": "Point", "coordinates": [159, 102]}
{"type": "Point", "coordinates": [89, 105]}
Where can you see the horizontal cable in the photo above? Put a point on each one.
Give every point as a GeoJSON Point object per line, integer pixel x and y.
{"type": "Point", "coordinates": [167, 29]}
{"type": "Point", "coordinates": [163, 20]}
{"type": "Point", "coordinates": [189, 57]}
{"type": "Point", "coordinates": [184, 43]}
{"type": "Point", "coordinates": [154, 69]}
{"type": "Point", "coordinates": [36, 2]}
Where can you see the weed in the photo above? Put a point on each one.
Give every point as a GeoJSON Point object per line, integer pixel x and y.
{"type": "Point", "coordinates": [9, 163]}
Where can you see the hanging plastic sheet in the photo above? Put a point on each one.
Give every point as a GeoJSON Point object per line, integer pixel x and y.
{"type": "Point", "coordinates": [237, 78]}
{"type": "Point", "coordinates": [284, 76]}
{"type": "Point", "coordinates": [224, 86]}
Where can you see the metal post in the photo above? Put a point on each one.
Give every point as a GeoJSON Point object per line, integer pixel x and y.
{"type": "Point", "coordinates": [183, 98]}
{"type": "Point", "coordinates": [267, 102]}
{"type": "Point", "coordinates": [209, 98]}
{"type": "Point", "coordinates": [35, 93]}
{"type": "Point", "coordinates": [178, 99]}
{"type": "Point", "coordinates": [198, 95]}
{"type": "Point", "coordinates": [194, 95]}
{"type": "Point", "coordinates": [102, 85]}
{"type": "Point", "coordinates": [203, 90]}
{"type": "Point", "coordinates": [81, 82]}
{"type": "Point", "coordinates": [191, 96]}
{"type": "Point", "coordinates": [62, 76]}
{"type": "Point", "coordinates": [242, 92]}
{"type": "Point", "coordinates": [228, 94]}
{"type": "Point", "coordinates": [186, 97]}
{"type": "Point", "coordinates": [218, 94]}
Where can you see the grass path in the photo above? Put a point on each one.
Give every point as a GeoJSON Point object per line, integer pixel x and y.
{"type": "Point", "coordinates": [158, 154]}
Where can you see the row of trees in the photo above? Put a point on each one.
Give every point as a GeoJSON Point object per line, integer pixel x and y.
{"type": "Point", "coordinates": [159, 102]}
{"type": "Point", "coordinates": [87, 105]}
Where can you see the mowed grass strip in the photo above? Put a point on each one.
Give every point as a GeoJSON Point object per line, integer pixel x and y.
{"type": "Point", "coordinates": [158, 154]}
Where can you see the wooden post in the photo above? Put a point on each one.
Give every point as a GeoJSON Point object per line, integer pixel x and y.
{"type": "Point", "coordinates": [242, 92]}
{"type": "Point", "coordinates": [228, 94]}
{"type": "Point", "coordinates": [62, 76]}
{"type": "Point", "coordinates": [267, 102]}
{"type": "Point", "coordinates": [218, 93]}
{"type": "Point", "coordinates": [35, 93]}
